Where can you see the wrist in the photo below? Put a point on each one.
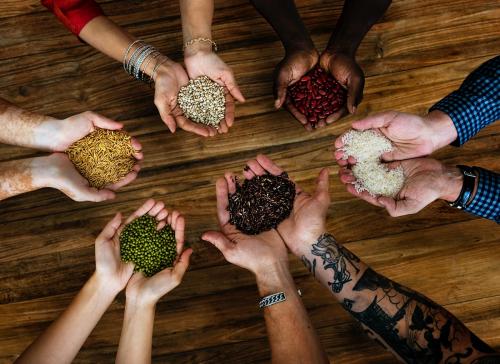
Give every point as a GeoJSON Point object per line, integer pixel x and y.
{"type": "Point", "coordinates": [198, 48]}
{"type": "Point", "coordinates": [49, 134]}
{"type": "Point", "coordinates": [139, 302]}
{"type": "Point", "coordinates": [42, 171]}
{"type": "Point", "coordinates": [105, 289]}
{"type": "Point", "coordinates": [274, 277]}
{"type": "Point", "coordinates": [442, 131]}
{"type": "Point", "coordinates": [452, 182]}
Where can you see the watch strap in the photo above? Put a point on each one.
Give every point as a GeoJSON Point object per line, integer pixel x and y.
{"type": "Point", "coordinates": [469, 183]}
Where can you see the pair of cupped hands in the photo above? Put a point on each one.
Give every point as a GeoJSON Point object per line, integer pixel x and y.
{"type": "Point", "coordinates": [412, 137]}
{"type": "Point", "coordinates": [261, 254]}
{"type": "Point", "coordinates": [341, 65]}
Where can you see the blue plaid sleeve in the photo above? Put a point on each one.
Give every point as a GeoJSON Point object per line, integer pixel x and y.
{"type": "Point", "coordinates": [486, 202]}
{"type": "Point", "coordinates": [476, 103]}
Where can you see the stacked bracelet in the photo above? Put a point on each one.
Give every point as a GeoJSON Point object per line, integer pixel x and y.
{"type": "Point", "coordinates": [138, 57]}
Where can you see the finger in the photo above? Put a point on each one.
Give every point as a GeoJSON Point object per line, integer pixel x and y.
{"type": "Point", "coordinates": [102, 122]}
{"type": "Point", "coordinates": [161, 225]}
{"type": "Point", "coordinates": [379, 120]}
{"type": "Point", "coordinates": [137, 147]}
{"type": "Point", "coordinates": [231, 182]}
{"type": "Point", "coordinates": [183, 263]}
{"type": "Point", "coordinates": [111, 227]}
{"type": "Point", "coordinates": [223, 128]}
{"type": "Point", "coordinates": [322, 185]}
{"type": "Point", "coordinates": [268, 165]}
{"type": "Point", "coordinates": [188, 125]}
{"type": "Point", "coordinates": [346, 176]}
{"type": "Point", "coordinates": [162, 215]}
{"type": "Point", "coordinates": [248, 173]}
{"type": "Point", "coordinates": [146, 206]}
{"type": "Point", "coordinates": [256, 167]}
{"type": "Point", "coordinates": [320, 124]}
{"type": "Point", "coordinates": [229, 114]}
{"type": "Point", "coordinates": [363, 195]}
{"type": "Point", "coordinates": [355, 87]}
{"type": "Point", "coordinates": [218, 240]}
{"type": "Point", "coordinates": [296, 113]}
{"type": "Point", "coordinates": [336, 115]}
{"type": "Point", "coordinates": [155, 210]}
{"type": "Point", "coordinates": [232, 86]}
{"type": "Point", "coordinates": [165, 112]}
{"type": "Point", "coordinates": [179, 232]}
{"type": "Point", "coordinates": [124, 181]}
{"type": "Point", "coordinates": [221, 191]}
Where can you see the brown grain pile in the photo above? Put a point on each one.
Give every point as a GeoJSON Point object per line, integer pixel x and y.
{"type": "Point", "coordinates": [103, 157]}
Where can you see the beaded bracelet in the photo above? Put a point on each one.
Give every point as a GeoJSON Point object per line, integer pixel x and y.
{"type": "Point", "coordinates": [196, 40]}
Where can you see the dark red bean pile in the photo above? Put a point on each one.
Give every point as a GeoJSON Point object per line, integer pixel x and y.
{"type": "Point", "coordinates": [317, 95]}
{"type": "Point", "coordinates": [261, 203]}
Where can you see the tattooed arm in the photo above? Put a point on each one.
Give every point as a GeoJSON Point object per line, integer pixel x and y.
{"type": "Point", "coordinates": [413, 327]}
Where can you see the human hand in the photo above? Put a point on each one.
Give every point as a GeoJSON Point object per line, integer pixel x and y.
{"type": "Point", "coordinates": [308, 218]}
{"type": "Point", "coordinates": [169, 79]}
{"type": "Point", "coordinates": [426, 181]}
{"type": "Point", "coordinates": [57, 171]}
{"type": "Point", "coordinates": [291, 69]}
{"type": "Point", "coordinates": [348, 73]}
{"type": "Point", "coordinates": [201, 61]}
{"type": "Point", "coordinates": [111, 271]}
{"type": "Point", "coordinates": [256, 253]}
{"type": "Point", "coordinates": [144, 291]}
{"type": "Point", "coordinates": [411, 135]}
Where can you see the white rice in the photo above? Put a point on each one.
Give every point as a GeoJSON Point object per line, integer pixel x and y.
{"type": "Point", "coordinates": [371, 174]}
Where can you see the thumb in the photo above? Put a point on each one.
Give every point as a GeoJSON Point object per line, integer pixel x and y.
{"type": "Point", "coordinates": [111, 227]}
{"type": "Point", "coordinates": [355, 93]}
{"type": "Point", "coordinates": [218, 239]}
{"type": "Point", "coordinates": [102, 122]}
{"type": "Point", "coordinates": [322, 185]}
{"type": "Point", "coordinates": [165, 112]}
{"type": "Point", "coordinates": [232, 86]}
{"type": "Point", "coordinates": [183, 263]}
{"type": "Point", "coordinates": [280, 85]}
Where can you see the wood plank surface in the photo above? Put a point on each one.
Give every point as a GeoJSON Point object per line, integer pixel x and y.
{"type": "Point", "coordinates": [417, 53]}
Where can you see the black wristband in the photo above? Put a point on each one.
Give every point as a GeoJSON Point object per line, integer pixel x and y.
{"type": "Point", "coordinates": [467, 187]}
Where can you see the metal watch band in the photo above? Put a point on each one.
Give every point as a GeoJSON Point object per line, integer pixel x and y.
{"type": "Point", "coordinates": [467, 187]}
{"type": "Point", "coordinates": [272, 299]}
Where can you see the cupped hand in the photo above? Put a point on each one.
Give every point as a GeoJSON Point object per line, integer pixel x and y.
{"type": "Point", "coordinates": [147, 291]}
{"type": "Point", "coordinates": [426, 180]}
{"type": "Point", "coordinates": [412, 136]}
{"type": "Point", "coordinates": [308, 218]}
{"type": "Point", "coordinates": [110, 269]}
{"type": "Point", "coordinates": [349, 74]}
{"type": "Point", "coordinates": [253, 252]}
{"type": "Point", "coordinates": [169, 79]}
{"type": "Point", "coordinates": [204, 62]}
{"type": "Point", "coordinates": [291, 69]}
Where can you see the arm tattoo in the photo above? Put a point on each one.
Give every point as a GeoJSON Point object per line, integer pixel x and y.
{"type": "Point", "coordinates": [414, 327]}
{"type": "Point", "coordinates": [336, 258]}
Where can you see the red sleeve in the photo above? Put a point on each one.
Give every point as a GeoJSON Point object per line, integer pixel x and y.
{"type": "Point", "coordinates": [74, 14]}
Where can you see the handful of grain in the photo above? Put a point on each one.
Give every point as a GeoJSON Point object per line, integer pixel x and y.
{"type": "Point", "coordinates": [149, 249]}
{"type": "Point", "coordinates": [371, 174]}
{"type": "Point", "coordinates": [261, 203]}
{"type": "Point", "coordinates": [203, 101]}
{"type": "Point", "coordinates": [103, 157]}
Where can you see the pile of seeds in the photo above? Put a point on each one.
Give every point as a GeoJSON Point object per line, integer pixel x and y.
{"type": "Point", "coordinates": [261, 203]}
{"type": "Point", "coordinates": [317, 95]}
{"type": "Point", "coordinates": [371, 174]}
{"type": "Point", "coordinates": [103, 157]}
{"type": "Point", "coordinates": [203, 101]}
{"type": "Point", "coordinates": [149, 249]}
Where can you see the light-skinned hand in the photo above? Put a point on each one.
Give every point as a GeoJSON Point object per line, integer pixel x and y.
{"type": "Point", "coordinates": [346, 71]}
{"type": "Point", "coordinates": [412, 136]}
{"type": "Point", "coordinates": [427, 180]}
{"type": "Point", "coordinates": [201, 61]}
{"type": "Point", "coordinates": [256, 253]}
{"type": "Point", "coordinates": [144, 291]}
{"type": "Point", "coordinates": [57, 171]}
{"type": "Point", "coordinates": [291, 69]}
{"type": "Point", "coordinates": [308, 218]}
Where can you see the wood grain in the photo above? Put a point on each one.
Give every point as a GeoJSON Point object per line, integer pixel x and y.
{"type": "Point", "coordinates": [417, 53]}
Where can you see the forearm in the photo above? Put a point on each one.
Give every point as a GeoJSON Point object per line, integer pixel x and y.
{"type": "Point", "coordinates": [137, 334]}
{"type": "Point", "coordinates": [292, 340]}
{"type": "Point", "coordinates": [283, 16]}
{"type": "Point", "coordinates": [21, 176]}
{"type": "Point", "coordinates": [25, 128]}
{"type": "Point", "coordinates": [357, 17]}
{"type": "Point", "coordinates": [412, 326]}
{"type": "Point", "coordinates": [63, 339]}
{"type": "Point", "coordinates": [196, 19]}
